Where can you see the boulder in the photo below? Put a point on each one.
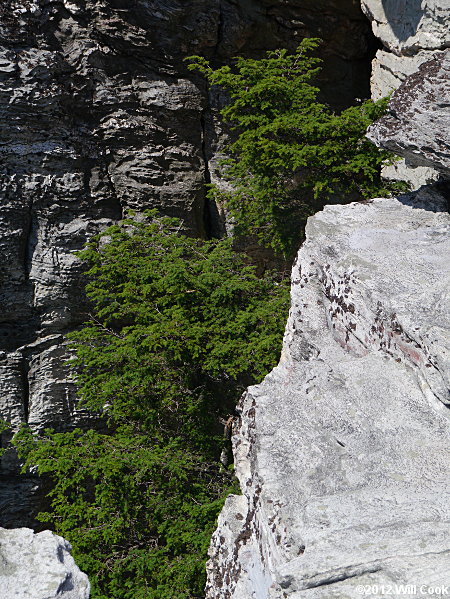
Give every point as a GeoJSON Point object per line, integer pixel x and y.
{"type": "Point", "coordinates": [408, 26]}
{"type": "Point", "coordinates": [39, 566]}
{"type": "Point", "coordinates": [417, 125]}
{"type": "Point", "coordinates": [343, 451]}
{"type": "Point", "coordinates": [412, 32]}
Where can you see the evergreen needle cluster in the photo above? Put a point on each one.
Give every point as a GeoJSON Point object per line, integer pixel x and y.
{"type": "Point", "coordinates": [178, 328]}
{"type": "Point", "coordinates": [292, 153]}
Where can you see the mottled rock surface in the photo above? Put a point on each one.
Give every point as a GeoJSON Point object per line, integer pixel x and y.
{"type": "Point", "coordinates": [412, 32]}
{"type": "Point", "coordinates": [39, 566]}
{"type": "Point", "coordinates": [343, 452]}
{"type": "Point", "coordinates": [417, 125]}
{"type": "Point", "coordinates": [407, 26]}
{"type": "Point", "coordinates": [390, 71]}
{"type": "Point", "coordinates": [98, 115]}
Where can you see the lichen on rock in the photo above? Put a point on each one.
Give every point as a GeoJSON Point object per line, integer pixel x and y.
{"type": "Point", "coordinates": [343, 452]}
{"type": "Point", "coordinates": [417, 125]}
{"type": "Point", "coordinates": [411, 33]}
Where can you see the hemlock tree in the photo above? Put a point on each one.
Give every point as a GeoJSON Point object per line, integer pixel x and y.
{"type": "Point", "coordinates": [178, 328]}
{"type": "Point", "coordinates": [291, 153]}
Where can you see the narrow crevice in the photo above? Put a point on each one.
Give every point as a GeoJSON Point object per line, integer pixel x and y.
{"type": "Point", "coordinates": [30, 240]}
{"type": "Point", "coordinates": [24, 367]}
{"type": "Point", "coordinates": [206, 172]}
{"type": "Point", "coordinates": [117, 206]}
{"type": "Point", "coordinates": [210, 212]}
{"type": "Point", "coordinates": [333, 579]}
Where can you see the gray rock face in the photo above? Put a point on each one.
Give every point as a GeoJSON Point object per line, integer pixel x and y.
{"type": "Point", "coordinates": [98, 115]}
{"type": "Point", "coordinates": [343, 452]}
{"type": "Point", "coordinates": [417, 126]}
{"type": "Point", "coordinates": [407, 26]}
{"type": "Point", "coordinates": [412, 32]}
{"type": "Point", "coordinates": [39, 566]}
{"type": "Point", "coordinates": [390, 71]}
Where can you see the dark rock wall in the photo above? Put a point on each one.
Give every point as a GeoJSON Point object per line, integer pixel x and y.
{"type": "Point", "coordinates": [98, 114]}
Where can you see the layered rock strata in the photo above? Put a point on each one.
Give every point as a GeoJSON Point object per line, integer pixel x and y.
{"type": "Point", "coordinates": [99, 115]}
{"type": "Point", "coordinates": [343, 452]}
{"type": "Point", "coordinates": [39, 566]}
{"type": "Point", "coordinates": [412, 32]}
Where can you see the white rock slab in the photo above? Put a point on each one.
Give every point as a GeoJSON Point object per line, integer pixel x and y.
{"type": "Point", "coordinates": [39, 566]}
{"type": "Point", "coordinates": [407, 26]}
{"type": "Point", "coordinates": [343, 452]}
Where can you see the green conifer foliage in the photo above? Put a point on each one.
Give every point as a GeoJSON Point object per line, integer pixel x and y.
{"type": "Point", "coordinates": [291, 154]}
{"type": "Point", "coordinates": [178, 328]}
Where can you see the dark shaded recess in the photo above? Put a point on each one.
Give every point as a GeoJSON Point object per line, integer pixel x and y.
{"type": "Point", "coordinates": [442, 187]}
{"type": "Point", "coordinates": [22, 498]}
{"type": "Point", "coordinates": [347, 51]}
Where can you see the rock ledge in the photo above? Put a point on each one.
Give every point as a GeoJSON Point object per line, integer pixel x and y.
{"type": "Point", "coordinates": [343, 452]}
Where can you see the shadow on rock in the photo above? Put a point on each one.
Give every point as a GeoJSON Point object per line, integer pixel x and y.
{"type": "Point", "coordinates": [435, 198]}
{"type": "Point", "coordinates": [403, 16]}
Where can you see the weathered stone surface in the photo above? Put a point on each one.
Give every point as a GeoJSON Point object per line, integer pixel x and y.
{"type": "Point", "coordinates": [99, 114]}
{"type": "Point", "coordinates": [407, 26]}
{"type": "Point", "coordinates": [412, 32]}
{"type": "Point", "coordinates": [389, 71]}
{"type": "Point", "coordinates": [417, 125]}
{"type": "Point", "coordinates": [343, 452]}
{"type": "Point", "coordinates": [39, 566]}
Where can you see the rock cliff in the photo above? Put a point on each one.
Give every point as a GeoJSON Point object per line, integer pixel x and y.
{"type": "Point", "coordinates": [100, 115]}
{"type": "Point", "coordinates": [412, 32]}
{"type": "Point", "coordinates": [417, 125]}
{"type": "Point", "coordinates": [343, 452]}
{"type": "Point", "coordinates": [39, 566]}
